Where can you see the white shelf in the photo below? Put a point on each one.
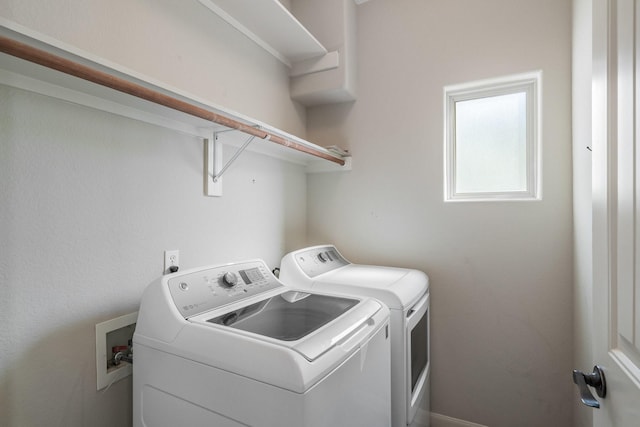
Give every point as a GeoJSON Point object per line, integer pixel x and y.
{"type": "Point", "coordinates": [36, 78]}
{"type": "Point", "coordinates": [269, 24]}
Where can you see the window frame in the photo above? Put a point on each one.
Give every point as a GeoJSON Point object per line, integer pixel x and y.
{"type": "Point", "coordinates": [531, 84]}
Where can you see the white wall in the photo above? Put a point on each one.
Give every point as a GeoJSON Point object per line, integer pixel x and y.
{"type": "Point", "coordinates": [501, 273]}
{"type": "Point", "coordinates": [89, 200]}
{"type": "Point", "coordinates": [182, 44]}
{"type": "Point", "coordinates": [583, 305]}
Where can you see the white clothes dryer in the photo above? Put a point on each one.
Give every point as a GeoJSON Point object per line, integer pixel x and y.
{"type": "Point", "coordinates": [230, 346]}
{"type": "Point", "coordinates": [404, 291]}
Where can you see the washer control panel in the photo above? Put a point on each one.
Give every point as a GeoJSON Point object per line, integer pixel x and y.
{"type": "Point", "coordinates": [319, 260]}
{"type": "Point", "coordinates": [196, 292]}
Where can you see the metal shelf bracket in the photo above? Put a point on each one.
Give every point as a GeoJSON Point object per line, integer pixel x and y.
{"type": "Point", "coordinates": [218, 175]}
{"type": "Point", "coordinates": [214, 167]}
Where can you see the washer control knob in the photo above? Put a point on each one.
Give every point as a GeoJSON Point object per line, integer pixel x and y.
{"type": "Point", "coordinates": [322, 257]}
{"type": "Point", "coordinates": [229, 279]}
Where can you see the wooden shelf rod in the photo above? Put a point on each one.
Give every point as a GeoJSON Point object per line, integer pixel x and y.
{"type": "Point", "coordinates": [67, 66]}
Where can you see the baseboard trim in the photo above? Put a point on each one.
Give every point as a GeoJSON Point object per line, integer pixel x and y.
{"type": "Point", "coordinates": [439, 420]}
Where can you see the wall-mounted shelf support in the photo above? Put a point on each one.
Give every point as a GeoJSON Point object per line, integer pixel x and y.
{"type": "Point", "coordinates": [213, 162]}
{"type": "Point", "coordinates": [218, 175]}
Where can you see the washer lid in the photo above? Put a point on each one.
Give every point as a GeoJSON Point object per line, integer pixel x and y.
{"type": "Point", "coordinates": [308, 323]}
{"type": "Point", "coordinates": [398, 288]}
{"type": "Point", "coordinates": [289, 316]}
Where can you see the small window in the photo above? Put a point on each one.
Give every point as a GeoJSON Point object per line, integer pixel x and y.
{"type": "Point", "coordinates": [491, 139]}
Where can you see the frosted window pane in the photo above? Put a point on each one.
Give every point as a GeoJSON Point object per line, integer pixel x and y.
{"type": "Point", "coordinates": [491, 144]}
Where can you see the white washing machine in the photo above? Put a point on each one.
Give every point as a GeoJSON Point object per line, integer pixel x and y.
{"type": "Point", "coordinates": [232, 346]}
{"type": "Point", "coordinates": [404, 291]}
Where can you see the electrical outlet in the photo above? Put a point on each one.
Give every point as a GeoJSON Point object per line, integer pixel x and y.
{"type": "Point", "coordinates": [171, 261]}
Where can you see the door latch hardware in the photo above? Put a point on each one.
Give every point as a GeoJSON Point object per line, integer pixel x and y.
{"type": "Point", "coordinates": [595, 380]}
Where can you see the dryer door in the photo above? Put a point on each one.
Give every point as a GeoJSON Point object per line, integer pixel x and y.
{"type": "Point", "coordinates": [417, 354]}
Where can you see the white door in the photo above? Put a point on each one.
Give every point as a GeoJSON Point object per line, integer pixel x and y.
{"type": "Point", "coordinates": [616, 209]}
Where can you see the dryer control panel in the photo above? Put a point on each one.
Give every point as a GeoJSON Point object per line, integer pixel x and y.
{"type": "Point", "coordinates": [208, 288]}
{"type": "Point", "coordinates": [319, 260]}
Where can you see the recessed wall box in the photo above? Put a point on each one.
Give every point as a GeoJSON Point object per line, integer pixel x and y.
{"type": "Point", "coordinates": [114, 333]}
